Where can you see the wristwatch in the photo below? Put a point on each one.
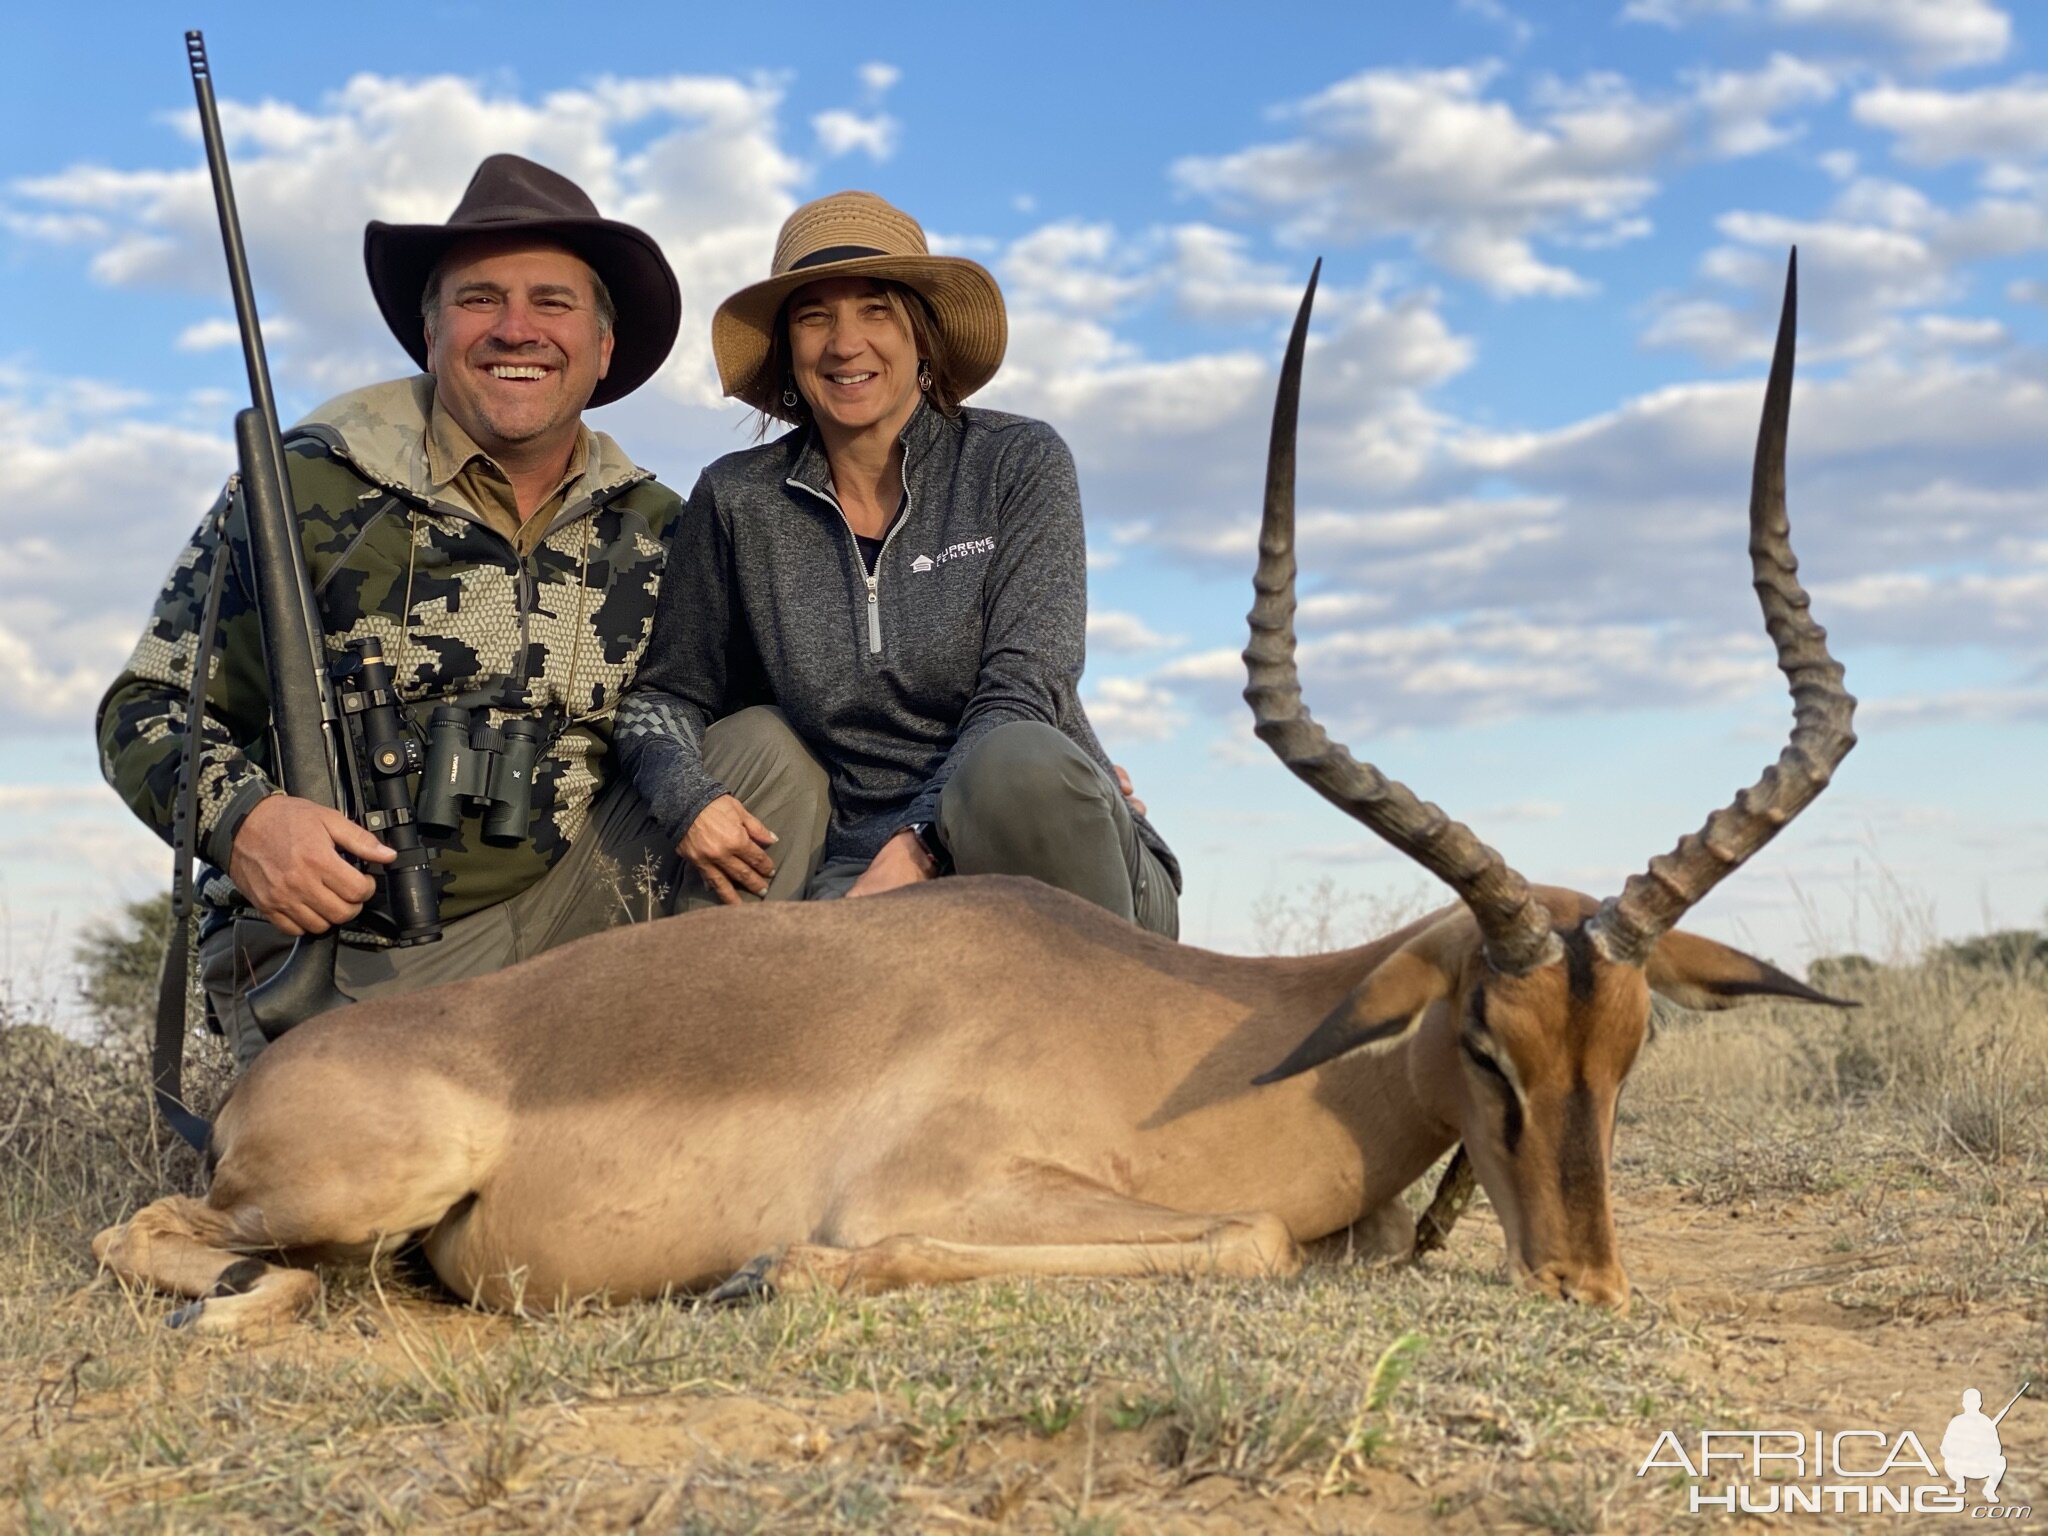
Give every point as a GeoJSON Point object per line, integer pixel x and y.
{"type": "Point", "coordinates": [927, 835]}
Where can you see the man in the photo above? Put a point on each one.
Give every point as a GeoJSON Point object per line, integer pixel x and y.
{"type": "Point", "coordinates": [507, 558]}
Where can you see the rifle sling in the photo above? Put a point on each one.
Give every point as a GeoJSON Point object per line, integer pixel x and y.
{"type": "Point", "coordinates": [173, 989]}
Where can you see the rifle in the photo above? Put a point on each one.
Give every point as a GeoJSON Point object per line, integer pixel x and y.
{"type": "Point", "coordinates": [314, 758]}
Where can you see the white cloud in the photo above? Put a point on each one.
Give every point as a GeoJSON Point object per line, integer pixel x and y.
{"type": "Point", "coordinates": [1126, 709]}
{"type": "Point", "coordinates": [1426, 155]}
{"type": "Point", "coordinates": [1923, 34]}
{"type": "Point", "coordinates": [1518, 30]}
{"type": "Point", "coordinates": [710, 181]}
{"type": "Point", "coordinates": [220, 331]}
{"type": "Point", "coordinates": [878, 79]}
{"type": "Point", "coordinates": [86, 473]}
{"type": "Point", "coordinates": [1741, 108]}
{"type": "Point", "coordinates": [841, 133]}
{"type": "Point", "coordinates": [1109, 630]}
{"type": "Point", "coordinates": [1993, 122]}
{"type": "Point", "coordinates": [1880, 250]}
{"type": "Point", "coordinates": [1932, 34]}
{"type": "Point", "coordinates": [1074, 266]}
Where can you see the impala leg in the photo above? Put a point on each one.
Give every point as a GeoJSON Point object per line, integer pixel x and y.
{"type": "Point", "coordinates": [189, 1248]}
{"type": "Point", "coordinates": [1064, 1226]}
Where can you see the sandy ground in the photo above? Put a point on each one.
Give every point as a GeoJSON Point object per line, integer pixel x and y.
{"type": "Point", "coordinates": [1755, 1292]}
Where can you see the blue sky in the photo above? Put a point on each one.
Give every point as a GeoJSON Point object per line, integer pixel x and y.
{"type": "Point", "coordinates": [1553, 237]}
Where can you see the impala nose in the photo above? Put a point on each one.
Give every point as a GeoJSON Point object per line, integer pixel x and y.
{"type": "Point", "coordinates": [1597, 1285]}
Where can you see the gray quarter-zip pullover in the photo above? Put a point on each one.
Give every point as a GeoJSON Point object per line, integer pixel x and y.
{"type": "Point", "coordinates": [975, 616]}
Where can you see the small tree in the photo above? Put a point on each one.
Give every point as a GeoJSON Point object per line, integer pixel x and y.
{"type": "Point", "coordinates": [119, 959]}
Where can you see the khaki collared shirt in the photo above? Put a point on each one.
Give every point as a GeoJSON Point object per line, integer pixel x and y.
{"type": "Point", "coordinates": [467, 476]}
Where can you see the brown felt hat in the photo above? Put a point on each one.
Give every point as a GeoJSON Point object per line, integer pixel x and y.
{"type": "Point", "coordinates": [512, 195]}
{"type": "Point", "coordinates": [857, 234]}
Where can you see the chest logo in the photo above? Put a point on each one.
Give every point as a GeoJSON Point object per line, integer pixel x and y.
{"type": "Point", "coordinates": [961, 551]}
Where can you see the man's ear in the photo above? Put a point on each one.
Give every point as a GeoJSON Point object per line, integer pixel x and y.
{"type": "Point", "coordinates": [604, 355]}
{"type": "Point", "coordinates": [1698, 973]}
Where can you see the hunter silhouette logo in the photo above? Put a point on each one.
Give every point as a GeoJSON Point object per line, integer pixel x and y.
{"type": "Point", "coordinates": [1971, 1449]}
{"type": "Point", "coordinates": [1846, 1471]}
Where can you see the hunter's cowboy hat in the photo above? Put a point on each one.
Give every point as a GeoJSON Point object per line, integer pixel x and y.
{"type": "Point", "coordinates": [511, 195]}
{"type": "Point", "coordinates": [857, 234]}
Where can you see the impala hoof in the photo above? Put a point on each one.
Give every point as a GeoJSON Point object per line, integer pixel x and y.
{"type": "Point", "coordinates": [746, 1285]}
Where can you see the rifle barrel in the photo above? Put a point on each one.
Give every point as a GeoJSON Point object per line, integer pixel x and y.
{"type": "Point", "coordinates": [2008, 1407]}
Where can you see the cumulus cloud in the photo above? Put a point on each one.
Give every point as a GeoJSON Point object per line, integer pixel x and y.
{"type": "Point", "coordinates": [1742, 108]}
{"type": "Point", "coordinates": [1921, 34]}
{"type": "Point", "coordinates": [1109, 630]}
{"type": "Point", "coordinates": [87, 469]}
{"type": "Point", "coordinates": [841, 133]}
{"type": "Point", "coordinates": [1428, 156]}
{"type": "Point", "coordinates": [708, 178]}
{"type": "Point", "coordinates": [1126, 709]}
{"type": "Point", "coordinates": [1880, 250]}
{"type": "Point", "coordinates": [1930, 127]}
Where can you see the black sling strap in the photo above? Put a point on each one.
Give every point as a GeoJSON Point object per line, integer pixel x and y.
{"type": "Point", "coordinates": [173, 986]}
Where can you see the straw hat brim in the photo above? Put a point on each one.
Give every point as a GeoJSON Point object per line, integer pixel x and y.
{"type": "Point", "coordinates": [964, 298]}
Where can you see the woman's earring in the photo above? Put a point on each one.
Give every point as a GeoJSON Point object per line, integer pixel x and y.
{"type": "Point", "coordinates": [790, 397]}
{"type": "Point", "coordinates": [924, 375]}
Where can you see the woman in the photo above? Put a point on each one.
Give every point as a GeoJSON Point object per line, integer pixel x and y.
{"type": "Point", "coordinates": [883, 609]}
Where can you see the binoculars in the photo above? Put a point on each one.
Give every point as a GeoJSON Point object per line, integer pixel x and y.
{"type": "Point", "coordinates": [472, 765]}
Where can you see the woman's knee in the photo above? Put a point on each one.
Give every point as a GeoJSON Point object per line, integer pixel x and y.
{"type": "Point", "coordinates": [1025, 772]}
{"type": "Point", "coordinates": [757, 746]}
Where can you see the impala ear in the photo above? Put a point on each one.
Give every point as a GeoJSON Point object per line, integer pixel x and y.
{"type": "Point", "coordinates": [1698, 973]}
{"type": "Point", "coordinates": [1382, 1009]}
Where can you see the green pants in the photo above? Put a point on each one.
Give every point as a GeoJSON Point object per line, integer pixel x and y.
{"type": "Point", "coordinates": [1027, 801]}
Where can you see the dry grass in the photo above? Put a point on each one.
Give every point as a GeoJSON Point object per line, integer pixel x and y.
{"type": "Point", "coordinates": [1886, 1168]}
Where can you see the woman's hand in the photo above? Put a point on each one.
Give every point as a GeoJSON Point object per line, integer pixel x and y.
{"type": "Point", "coordinates": [1123, 784]}
{"type": "Point", "coordinates": [902, 861]}
{"type": "Point", "coordinates": [729, 848]}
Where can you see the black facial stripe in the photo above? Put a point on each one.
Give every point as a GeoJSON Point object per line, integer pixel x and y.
{"type": "Point", "coordinates": [1511, 1103]}
{"type": "Point", "coordinates": [1581, 1173]}
{"type": "Point", "coordinates": [1578, 959]}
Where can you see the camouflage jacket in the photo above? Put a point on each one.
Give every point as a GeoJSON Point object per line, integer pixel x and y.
{"type": "Point", "coordinates": [461, 617]}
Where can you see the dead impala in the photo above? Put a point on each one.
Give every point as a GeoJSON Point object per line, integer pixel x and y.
{"type": "Point", "coordinates": [990, 1077]}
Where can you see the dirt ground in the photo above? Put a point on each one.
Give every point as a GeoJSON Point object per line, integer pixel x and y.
{"type": "Point", "coordinates": [1752, 1306]}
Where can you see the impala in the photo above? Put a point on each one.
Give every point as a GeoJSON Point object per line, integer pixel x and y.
{"type": "Point", "coordinates": [981, 1077]}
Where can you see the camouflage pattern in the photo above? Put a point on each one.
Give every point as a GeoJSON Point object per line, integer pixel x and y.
{"type": "Point", "coordinates": [555, 636]}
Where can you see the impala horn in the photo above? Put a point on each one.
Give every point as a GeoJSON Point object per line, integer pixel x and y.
{"type": "Point", "coordinates": [1627, 927]}
{"type": "Point", "coordinates": [1514, 926]}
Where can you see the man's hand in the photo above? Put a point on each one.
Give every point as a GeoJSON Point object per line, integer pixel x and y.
{"type": "Point", "coordinates": [1123, 782]}
{"type": "Point", "coordinates": [287, 859]}
{"type": "Point", "coordinates": [729, 848]}
{"type": "Point", "coordinates": [902, 861]}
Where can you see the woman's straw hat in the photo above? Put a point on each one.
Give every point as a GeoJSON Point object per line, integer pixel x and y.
{"type": "Point", "coordinates": [856, 234]}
